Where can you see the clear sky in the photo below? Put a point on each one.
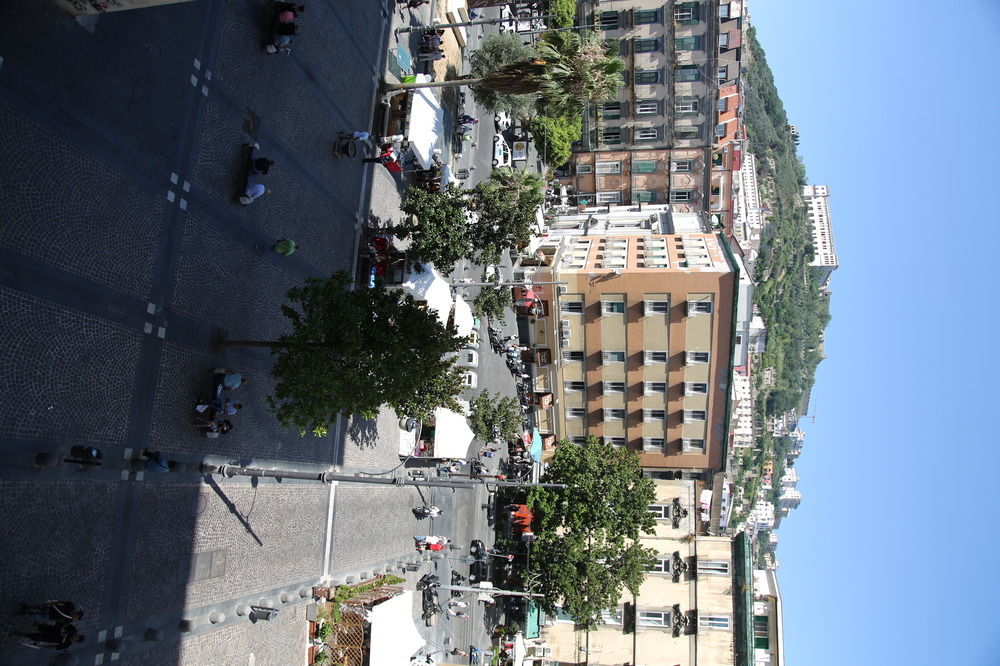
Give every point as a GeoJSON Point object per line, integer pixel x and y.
{"type": "Point", "coordinates": [892, 557]}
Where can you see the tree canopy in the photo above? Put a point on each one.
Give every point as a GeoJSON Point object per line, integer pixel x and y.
{"type": "Point", "coordinates": [353, 351]}
{"type": "Point", "coordinates": [495, 416]}
{"type": "Point", "coordinates": [586, 550]}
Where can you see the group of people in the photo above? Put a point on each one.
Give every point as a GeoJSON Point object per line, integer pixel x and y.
{"type": "Point", "coordinates": [52, 625]}
{"type": "Point", "coordinates": [212, 413]}
{"type": "Point", "coordinates": [285, 29]}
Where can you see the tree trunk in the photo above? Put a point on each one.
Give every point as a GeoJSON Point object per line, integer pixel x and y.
{"type": "Point", "coordinates": [453, 83]}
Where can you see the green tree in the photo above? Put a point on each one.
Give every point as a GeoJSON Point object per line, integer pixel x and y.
{"type": "Point", "coordinates": [442, 390]}
{"type": "Point", "coordinates": [567, 71]}
{"type": "Point", "coordinates": [563, 12]}
{"type": "Point", "coordinates": [439, 226]}
{"type": "Point", "coordinates": [494, 52]}
{"type": "Point", "coordinates": [353, 351]}
{"type": "Point", "coordinates": [554, 136]}
{"type": "Point", "coordinates": [506, 205]}
{"type": "Point", "coordinates": [493, 302]}
{"type": "Point", "coordinates": [494, 416]}
{"type": "Point", "coordinates": [586, 549]}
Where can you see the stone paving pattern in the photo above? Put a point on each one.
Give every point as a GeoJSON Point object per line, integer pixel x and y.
{"type": "Point", "coordinates": [123, 258]}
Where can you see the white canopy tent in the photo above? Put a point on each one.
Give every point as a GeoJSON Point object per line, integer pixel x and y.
{"type": "Point", "coordinates": [452, 434]}
{"type": "Point", "coordinates": [426, 125]}
{"type": "Point", "coordinates": [394, 639]}
{"type": "Point", "coordinates": [464, 320]}
{"type": "Point", "coordinates": [431, 287]}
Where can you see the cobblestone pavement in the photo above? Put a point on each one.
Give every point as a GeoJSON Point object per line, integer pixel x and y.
{"type": "Point", "coordinates": [123, 258]}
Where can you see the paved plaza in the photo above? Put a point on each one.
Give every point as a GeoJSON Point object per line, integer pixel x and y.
{"type": "Point", "coordinates": [124, 257]}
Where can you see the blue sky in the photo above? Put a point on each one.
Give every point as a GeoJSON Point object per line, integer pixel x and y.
{"type": "Point", "coordinates": [891, 557]}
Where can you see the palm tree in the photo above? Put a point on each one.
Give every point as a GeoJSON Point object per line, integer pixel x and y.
{"type": "Point", "coordinates": [567, 71]}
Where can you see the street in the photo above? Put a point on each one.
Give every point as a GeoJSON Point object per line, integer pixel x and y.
{"type": "Point", "coordinates": [124, 258]}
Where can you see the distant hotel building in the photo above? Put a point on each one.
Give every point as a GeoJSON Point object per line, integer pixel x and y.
{"type": "Point", "coordinates": [817, 198]}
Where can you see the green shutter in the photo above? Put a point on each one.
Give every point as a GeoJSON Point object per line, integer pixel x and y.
{"type": "Point", "coordinates": [687, 44]}
{"type": "Point", "coordinates": [687, 73]}
{"type": "Point", "coordinates": [644, 16]}
{"type": "Point", "coordinates": [647, 45]}
{"type": "Point", "coordinates": [644, 166]}
{"type": "Point", "coordinates": [643, 196]}
{"type": "Point", "coordinates": [647, 76]}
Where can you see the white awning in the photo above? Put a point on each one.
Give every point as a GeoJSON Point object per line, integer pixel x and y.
{"type": "Point", "coordinates": [464, 320]}
{"type": "Point", "coordinates": [452, 434]}
{"type": "Point", "coordinates": [431, 287]}
{"type": "Point", "coordinates": [426, 125]}
{"type": "Point", "coordinates": [394, 639]}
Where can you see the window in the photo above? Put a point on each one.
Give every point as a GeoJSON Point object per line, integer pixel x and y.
{"type": "Point", "coordinates": [647, 76]}
{"type": "Point", "coordinates": [723, 104]}
{"type": "Point", "coordinates": [656, 307]}
{"type": "Point", "coordinates": [686, 12]}
{"type": "Point", "coordinates": [724, 40]}
{"type": "Point", "coordinates": [615, 441]}
{"type": "Point", "coordinates": [654, 444]}
{"type": "Point", "coordinates": [661, 565]}
{"type": "Point", "coordinates": [645, 16]}
{"type": "Point", "coordinates": [609, 197]}
{"type": "Point", "coordinates": [681, 195]}
{"type": "Point", "coordinates": [612, 616]}
{"type": "Point", "coordinates": [613, 387]}
{"type": "Point", "coordinates": [576, 412]}
{"type": "Point", "coordinates": [575, 385]}
{"type": "Point", "coordinates": [613, 307]}
{"type": "Point", "coordinates": [682, 166]}
{"type": "Point", "coordinates": [761, 635]}
{"type": "Point", "coordinates": [713, 621]}
{"type": "Point", "coordinates": [654, 357]}
{"type": "Point", "coordinates": [644, 196]}
{"type": "Point", "coordinates": [579, 440]}
{"type": "Point", "coordinates": [654, 387]}
{"type": "Point", "coordinates": [647, 107]}
{"type": "Point", "coordinates": [647, 134]}
{"type": "Point", "coordinates": [609, 167]}
{"type": "Point", "coordinates": [699, 307]}
{"type": "Point", "coordinates": [613, 357]}
{"type": "Point", "coordinates": [723, 73]}
{"type": "Point", "coordinates": [650, 415]}
{"type": "Point", "coordinates": [694, 415]}
{"type": "Point", "coordinates": [612, 110]}
{"type": "Point", "coordinates": [614, 414]}
{"type": "Point", "coordinates": [687, 43]}
{"type": "Point", "coordinates": [646, 45]}
{"type": "Point", "coordinates": [585, 168]}
{"type": "Point", "coordinates": [571, 307]}
{"type": "Point", "coordinates": [653, 618]}
{"type": "Point", "coordinates": [687, 73]}
{"type": "Point", "coordinates": [713, 567]}
{"type": "Point", "coordinates": [692, 445]}
{"type": "Point", "coordinates": [609, 20]}
{"type": "Point", "coordinates": [644, 166]}
{"type": "Point", "coordinates": [687, 131]}
{"type": "Point", "coordinates": [612, 135]}
{"type": "Point", "coordinates": [686, 106]}
{"type": "Point", "coordinates": [695, 388]}
{"type": "Point", "coordinates": [723, 11]}
{"type": "Point", "coordinates": [574, 356]}
{"type": "Point", "coordinates": [660, 511]}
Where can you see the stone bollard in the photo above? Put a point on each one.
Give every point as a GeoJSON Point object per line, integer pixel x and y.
{"type": "Point", "coordinates": [285, 597]}
{"type": "Point", "coordinates": [153, 635]}
{"type": "Point", "coordinates": [216, 617]}
{"type": "Point", "coordinates": [304, 593]}
{"type": "Point", "coordinates": [242, 610]}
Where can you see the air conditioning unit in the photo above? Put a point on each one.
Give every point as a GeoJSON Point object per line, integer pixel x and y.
{"type": "Point", "coordinates": [565, 324]}
{"type": "Point", "coordinates": [563, 289]}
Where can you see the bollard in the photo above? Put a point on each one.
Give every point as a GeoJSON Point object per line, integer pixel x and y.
{"type": "Point", "coordinates": [153, 635]}
{"type": "Point", "coordinates": [304, 593]}
{"type": "Point", "coordinates": [285, 597]}
{"type": "Point", "coordinates": [216, 617]}
{"type": "Point", "coordinates": [242, 610]}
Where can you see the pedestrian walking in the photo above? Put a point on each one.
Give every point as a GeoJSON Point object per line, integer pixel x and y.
{"type": "Point", "coordinates": [59, 612]}
{"type": "Point", "coordinates": [261, 165]}
{"type": "Point", "coordinates": [253, 192]}
{"type": "Point", "coordinates": [286, 246]}
{"type": "Point", "coordinates": [155, 462]}
{"type": "Point", "coordinates": [51, 637]}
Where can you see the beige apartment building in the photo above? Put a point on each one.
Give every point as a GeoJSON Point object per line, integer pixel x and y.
{"type": "Point", "coordinates": [694, 606]}
{"type": "Point", "coordinates": [637, 336]}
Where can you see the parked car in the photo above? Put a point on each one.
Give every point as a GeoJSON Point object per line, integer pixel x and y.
{"type": "Point", "coordinates": [502, 121]}
{"type": "Point", "coordinates": [467, 358]}
{"type": "Point", "coordinates": [477, 549]}
{"type": "Point", "coordinates": [508, 16]}
{"type": "Point", "coordinates": [479, 571]}
{"type": "Point", "coordinates": [470, 379]}
{"type": "Point", "coordinates": [501, 152]}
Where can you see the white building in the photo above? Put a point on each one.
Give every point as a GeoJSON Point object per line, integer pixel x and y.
{"type": "Point", "coordinates": [817, 199]}
{"type": "Point", "coordinates": [762, 515]}
{"type": "Point", "coordinates": [749, 220]}
{"type": "Point", "coordinates": [768, 638]}
{"type": "Point", "coordinates": [742, 410]}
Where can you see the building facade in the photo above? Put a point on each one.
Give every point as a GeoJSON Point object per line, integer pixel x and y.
{"type": "Point", "coordinates": [817, 199]}
{"type": "Point", "coordinates": [693, 607]}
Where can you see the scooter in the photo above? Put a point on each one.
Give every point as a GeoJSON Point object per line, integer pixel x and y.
{"type": "Point", "coordinates": [427, 511]}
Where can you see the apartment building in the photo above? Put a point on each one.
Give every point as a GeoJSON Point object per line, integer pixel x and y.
{"type": "Point", "coordinates": [694, 607]}
{"type": "Point", "coordinates": [640, 331]}
{"type": "Point", "coordinates": [768, 629]}
{"type": "Point", "coordinates": [817, 199]}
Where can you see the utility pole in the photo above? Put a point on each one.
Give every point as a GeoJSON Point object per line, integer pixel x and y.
{"type": "Point", "coordinates": [489, 590]}
{"type": "Point", "coordinates": [229, 471]}
{"type": "Point", "coordinates": [435, 26]}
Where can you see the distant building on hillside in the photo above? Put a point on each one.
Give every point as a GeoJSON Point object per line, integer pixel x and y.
{"type": "Point", "coordinates": [817, 199]}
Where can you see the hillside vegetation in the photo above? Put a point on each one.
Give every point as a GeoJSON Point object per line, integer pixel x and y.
{"type": "Point", "coordinates": [787, 293]}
